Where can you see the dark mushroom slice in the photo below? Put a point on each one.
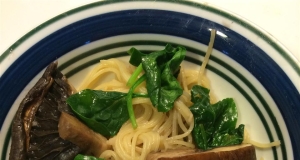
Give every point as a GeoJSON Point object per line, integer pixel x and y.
{"type": "Point", "coordinates": [237, 152]}
{"type": "Point", "coordinates": [71, 129]}
{"type": "Point", "coordinates": [35, 125]}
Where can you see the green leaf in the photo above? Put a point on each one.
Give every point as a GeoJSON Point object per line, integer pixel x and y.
{"type": "Point", "coordinates": [84, 157]}
{"type": "Point", "coordinates": [170, 88]}
{"type": "Point", "coordinates": [226, 114]}
{"type": "Point", "coordinates": [232, 137]}
{"type": "Point", "coordinates": [199, 93]}
{"type": "Point", "coordinates": [153, 74]}
{"type": "Point", "coordinates": [204, 117]}
{"type": "Point", "coordinates": [200, 136]}
{"type": "Point", "coordinates": [161, 69]}
{"type": "Point", "coordinates": [214, 124]}
{"type": "Point", "coordinates": [104, 112]}
{"type": "Point", "coordinates": [135, 56]}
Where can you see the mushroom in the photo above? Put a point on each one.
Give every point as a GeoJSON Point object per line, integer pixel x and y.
{"type": "Point", "coordinates": [236, 152]}
{"type": "Point", "coordinates": [71, 129]}
{"type": "Point", "coordinates": [35, 125]}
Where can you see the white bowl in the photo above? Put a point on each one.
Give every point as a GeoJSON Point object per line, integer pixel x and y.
{"type": "Point", "coordinates": [246, 64]}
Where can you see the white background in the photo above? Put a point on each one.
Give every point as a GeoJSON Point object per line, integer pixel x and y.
{"type": "Point", "coordinates": [280, 18]}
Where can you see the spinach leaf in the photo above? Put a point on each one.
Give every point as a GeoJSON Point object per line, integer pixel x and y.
{"type": "Point", "coordinates": [214, 124]}
{"type": "Point", "coordinates": [161, 69]}
{"type": "Point", "coordinates": [170, 88]}
{"type": "Point", "coordinates": [84, 157]}
{"type": "Point", "coordinates": [104, 112]}
{"type": "Point", "coordinates": [135, 56]}
{"type": "Point", "coordinates": [232, 137]}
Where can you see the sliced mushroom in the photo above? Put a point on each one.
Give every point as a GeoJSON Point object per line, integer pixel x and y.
{"type": "Point", "coordinates": [71, 129]}
{"type": "Point", "coordinates": [237, 152]}
{"type": "Point", "coordinates": [35, 125]}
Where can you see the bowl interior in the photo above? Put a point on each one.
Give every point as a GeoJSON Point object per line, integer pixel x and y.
{"type": "Point", "coordinates": [238, 68]}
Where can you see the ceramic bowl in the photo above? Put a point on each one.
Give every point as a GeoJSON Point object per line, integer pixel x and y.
{"type": "Point", "coordinates": [246, 64]}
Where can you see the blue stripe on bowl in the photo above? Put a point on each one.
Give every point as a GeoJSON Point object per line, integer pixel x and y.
{"type": "Point", "coordinates": [270, 75]}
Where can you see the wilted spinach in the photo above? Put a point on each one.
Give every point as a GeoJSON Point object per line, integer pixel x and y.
{"type": "Point", "coordinates": [161, 69]}
{"type": "Point", "coordinates": [84, 157]}
{"type": "Point", "coordinates": [104, 112]}
{"type": "Point", "coordinates": [214, 124]}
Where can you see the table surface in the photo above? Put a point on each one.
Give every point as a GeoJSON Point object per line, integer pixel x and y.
{"type": "Point", "coordinates": [280, 18]}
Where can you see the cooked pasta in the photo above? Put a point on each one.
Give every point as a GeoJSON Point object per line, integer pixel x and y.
{"type": "Point", "coordinates": [156, 131]}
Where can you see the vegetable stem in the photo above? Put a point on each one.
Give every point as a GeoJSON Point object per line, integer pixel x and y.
{"type": "Point", "coordinates": [134, 75]}
{"type": "Point", "coordinates": [129, 101]}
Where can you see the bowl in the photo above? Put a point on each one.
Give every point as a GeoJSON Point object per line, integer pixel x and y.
{"type": "Point", "coordinates": [246, 63]}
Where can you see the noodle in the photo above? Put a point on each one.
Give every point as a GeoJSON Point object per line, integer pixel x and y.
{"type": "Point", "coordinates": [121, 71]}
{"type": "Point", "coordinates": [247, 139]}
{"type": "Point", "coordinates": [206, 58]}
{"type": "Point", "coordinates": [156, 131]}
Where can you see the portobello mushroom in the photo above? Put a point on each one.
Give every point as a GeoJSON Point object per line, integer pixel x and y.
{"type": "Point", "coordinates": [35, 125]}
{"type": "Point", "coordinates": [71, 129]}
{"type": "Point", "coordinates": [236, 152]}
